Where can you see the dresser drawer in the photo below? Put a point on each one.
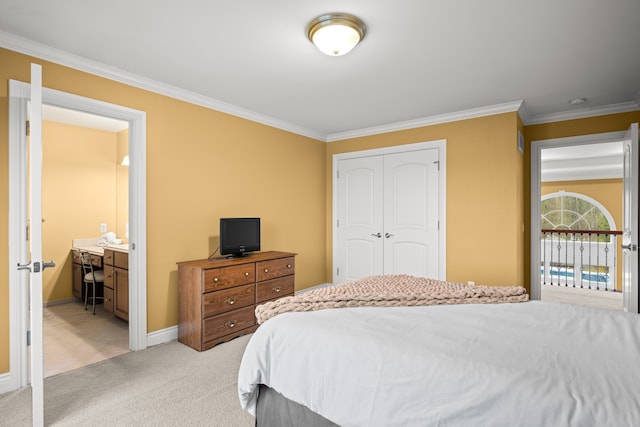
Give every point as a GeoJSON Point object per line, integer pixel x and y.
{"type": "Point", "coordinates": [109, 276]}
{"type": "Point", "coordinates": [108, 299]}
{"type": "Point", "coordinates": [227, 300]}
{"type": "Point", "coordinates": [96, 260]}
{"type": "Point", "coordinates": [108, 257]}
{"type": "Point", "coordinates": [121, 259]}
{"type": "Point", "coordinates": [271, 269]}
{"type": "Point", "coordinates": [227, 277]}
{"type": "Point", "coordinates": [274, 288]}
{"type": "Point", "coordinates": [227, 323]}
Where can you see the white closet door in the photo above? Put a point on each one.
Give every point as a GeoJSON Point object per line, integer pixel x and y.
{"type": "Point", "coordinates": [411, 213]}
{"type": "Point", "coordinates": [387, 222]}
{"type": "Point", "coordinates": [360, 234]}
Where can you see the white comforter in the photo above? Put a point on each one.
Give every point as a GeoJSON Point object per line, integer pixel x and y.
{"type": "Point", "coordinates": [525, 364]}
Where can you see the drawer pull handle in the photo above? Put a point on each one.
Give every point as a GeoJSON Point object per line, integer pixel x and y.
{"type": "Point", "coordinates": [266, 270]}
{"type": "Point", "coordinates": [215, 279]}
{"type": "Point", "coordinates": [231, 323]}
{"type": "Point", "coordinates": [231, 300]}
{"type": "Point", "coordinates": [246, 274]}
{"type": "Point", "coordinates": [288, 265]}
{"type": "Point", "coordinates": [276, 290]}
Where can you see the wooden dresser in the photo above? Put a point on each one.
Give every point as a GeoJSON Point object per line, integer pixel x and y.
{"type": "Point", "coordinates": [217, 297]}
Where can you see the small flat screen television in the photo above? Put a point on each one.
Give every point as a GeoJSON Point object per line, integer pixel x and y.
{"type": "Point", "coordinates": [239, 236]}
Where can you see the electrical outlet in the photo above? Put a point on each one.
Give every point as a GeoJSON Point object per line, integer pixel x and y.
{"type": "Point", "coordinates": [103, 228]}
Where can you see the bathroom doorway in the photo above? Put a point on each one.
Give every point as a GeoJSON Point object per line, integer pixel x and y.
{"type": "Point", "coordinates": [84, 196]}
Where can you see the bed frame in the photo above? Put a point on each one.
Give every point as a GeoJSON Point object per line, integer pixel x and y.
{"type": "Point", "coordinates": [275, 410]}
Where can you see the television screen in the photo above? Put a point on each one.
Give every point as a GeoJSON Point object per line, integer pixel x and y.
{"type": "Point", "coordinates": [238, 236]}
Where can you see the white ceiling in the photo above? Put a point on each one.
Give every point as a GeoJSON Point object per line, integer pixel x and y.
{"type": "Point", "coordinates": [420, 59]}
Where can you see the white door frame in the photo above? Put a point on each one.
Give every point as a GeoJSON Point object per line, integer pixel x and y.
{"type": "Point", "coordinates": [441, 145]}
{"type": "Point", "coordinates": [18, 292]}
{"type": "Point", "coordinates": [536, 176]}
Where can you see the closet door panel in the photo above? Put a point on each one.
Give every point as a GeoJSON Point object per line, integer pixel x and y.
{"type": "Point", "coordinates": [411, 213]}
{"type": "Point", "coordinates": [359, 219]}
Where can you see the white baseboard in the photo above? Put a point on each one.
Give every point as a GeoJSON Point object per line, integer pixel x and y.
{"type": "Point", "coordinates": [162, 336]}
{"type": "Point", "coordinates": [58, 302]}
{"type": "Point", "coordinates": [7, 383]}
{"type": "Point", "coordinates": [323, 285]}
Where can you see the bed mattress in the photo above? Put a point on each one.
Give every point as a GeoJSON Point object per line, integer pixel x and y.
{"type": "Point", "coordinates": [528, 364]}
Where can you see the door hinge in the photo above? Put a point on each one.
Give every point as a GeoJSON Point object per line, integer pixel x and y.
{"type": "Point", "coordinates": [338, 223]}
{"type": "Point", "coordinates": [338, 271]}
{"type": "Point", "coordinates": [338, 174]}
{"type": "Point", "coordinates": [28, 127]}
{"type": "Point", "coordinates": [28, 337]}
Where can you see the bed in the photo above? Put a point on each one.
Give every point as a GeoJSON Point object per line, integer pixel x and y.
{"type": "Point", "coordinates": [509, 364]}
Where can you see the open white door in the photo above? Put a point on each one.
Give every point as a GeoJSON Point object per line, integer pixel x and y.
{"type": "Point", "coordinates": [36, 266]}
{"type": "Point", "coordinates": [630, 221]}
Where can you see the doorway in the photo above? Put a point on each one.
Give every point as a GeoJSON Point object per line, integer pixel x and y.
{"type": "Point", "coordinates": [18, 292]}
{"type": "Point", "coordinates": [576, 162]}
{"type": "Point", "coordinates": [84, 196]}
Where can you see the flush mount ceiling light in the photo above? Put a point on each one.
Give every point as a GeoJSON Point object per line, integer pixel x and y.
{"type": "Point", "coordinates": [578, 101]}
{"type": "Point", "coordinates": [335, 34]}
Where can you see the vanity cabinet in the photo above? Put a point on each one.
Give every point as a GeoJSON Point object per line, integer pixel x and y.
{"type": "Point", "coordinates": [217, 297]}
{"type": "Point", "coordinates": [116, 283]}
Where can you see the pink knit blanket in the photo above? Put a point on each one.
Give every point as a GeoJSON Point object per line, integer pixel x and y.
{"type": "Point", "coordinates": [391, 291]}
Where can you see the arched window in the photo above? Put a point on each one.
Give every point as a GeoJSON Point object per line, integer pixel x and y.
{"type": "Point", "coordinates": [573, 211]}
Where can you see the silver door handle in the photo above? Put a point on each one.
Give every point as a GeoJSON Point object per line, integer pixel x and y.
{"type": "Point", "coordinates": [378, 235]}
{"type": "Point", "coordinates": [630, 247]}
{"type": "Point", "coordinates": [49, 264]}
{"type": "Point", "coordinates": [387, 235]}
{"type": "Point", "coordinates": [24, 266]}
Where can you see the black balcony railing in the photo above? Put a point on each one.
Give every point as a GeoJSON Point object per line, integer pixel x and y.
{"type": "Point", "coordinates": [579, 258]}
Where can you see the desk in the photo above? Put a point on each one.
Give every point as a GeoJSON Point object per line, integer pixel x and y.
{"type": "Point", "coordinates": [114, 260]}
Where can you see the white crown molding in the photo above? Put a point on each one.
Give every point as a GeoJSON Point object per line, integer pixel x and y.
{"type": "Point", "coordinates": [429, 121]}
{"type": "Point", "coordinates": [583, 113]}
{"type": "Point", "coordinates": [48, 53]}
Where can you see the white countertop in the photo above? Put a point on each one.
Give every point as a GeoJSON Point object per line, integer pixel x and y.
{"type": "Point", "coordinates": [91, 245]}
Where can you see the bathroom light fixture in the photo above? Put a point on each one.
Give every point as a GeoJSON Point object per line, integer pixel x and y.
{"type": "Point", "coordinates": [335, 34]}
{"type": "Point", "coordinates": [125, 161]}
{"type": "Point", "coordinates": [578, 101]}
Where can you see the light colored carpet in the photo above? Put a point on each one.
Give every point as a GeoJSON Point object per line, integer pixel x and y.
{"type": "Point", "coordinates": [167, 385]}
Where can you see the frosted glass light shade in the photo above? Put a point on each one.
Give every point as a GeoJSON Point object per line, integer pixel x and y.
{"type": "Point", "coordinates": [125, 161]}
{"type": "Point", "coordinates": [336, 34]}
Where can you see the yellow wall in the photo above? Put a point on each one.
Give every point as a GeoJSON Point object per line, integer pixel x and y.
{"type": "Point", "coordinates": [484, 195]}
{"type": "Point", "coordinates": [607, 192]}
{"type": "Point", "coordinates": [201, 165]}
{"type": "Point", "coordinates": [563, 129]}
{"type": "Point", "coordinates": [122, 186]}
{"type": "Point", "coordinates": [78, 194]}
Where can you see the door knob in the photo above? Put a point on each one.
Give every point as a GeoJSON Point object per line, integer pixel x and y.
{"type": "Point", "coordinates": [630, 247]}
{"type": "Point", "coordinates": [49, 264]}
{"type": "Point", "coordinates": [378, 235]}
{"type": "Point", "coordinates": [387, 235]}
